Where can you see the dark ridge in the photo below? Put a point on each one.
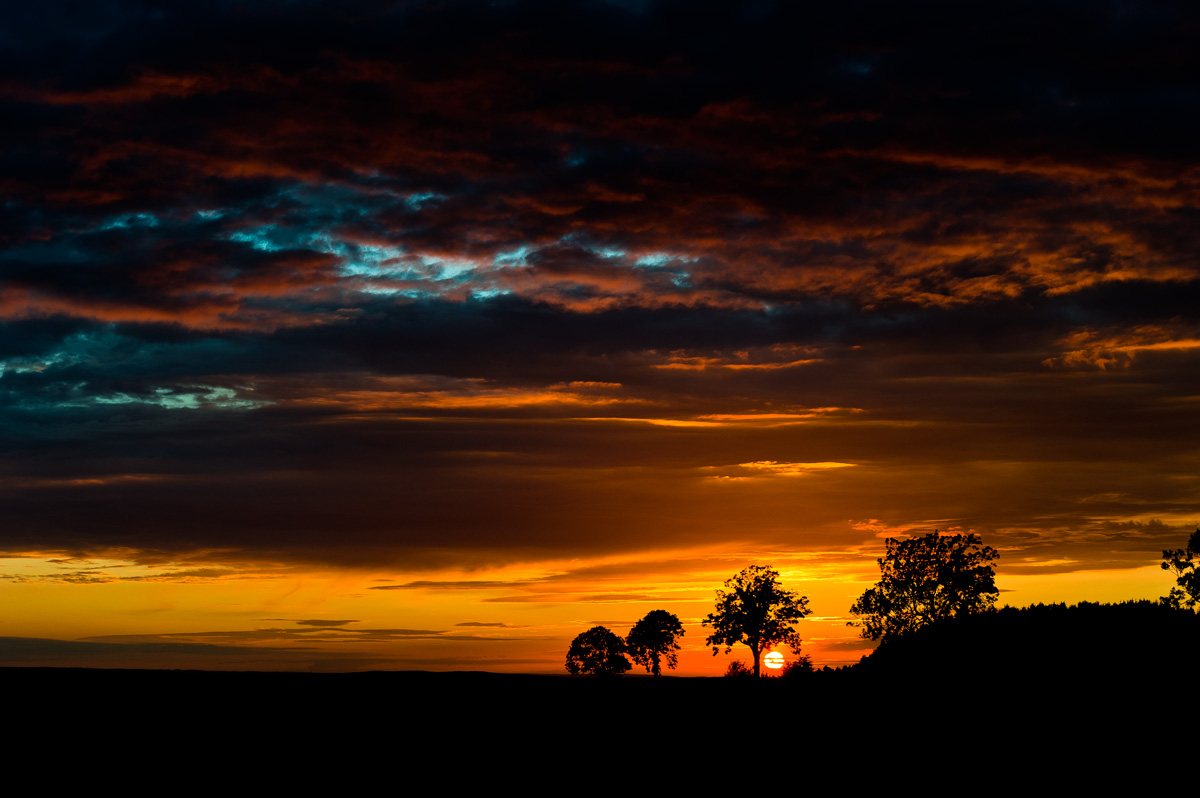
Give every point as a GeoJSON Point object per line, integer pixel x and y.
{"type": "Point", "coordinates": [1126, 649]}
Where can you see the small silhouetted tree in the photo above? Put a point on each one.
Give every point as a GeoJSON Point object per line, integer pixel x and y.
{"type": "Point", "coordinates": [655, 638]}
{"type": "Point", "coordinates": [924, 580]}
{"type": "Point", "coordinates": [800, 665]}
{"type": "Point", "coordinates": [1183, 563]}
{"type": "Point", "coordinates": [756, 611]}
{"type": "Point", "coordinates": [597, 652]}
{"type": "Point", "coordinates": [738, 670]}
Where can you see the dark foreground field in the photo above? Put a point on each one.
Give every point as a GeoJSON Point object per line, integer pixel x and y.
{"type": "Point", "coordinates": [343, 732]}
{"type": "Point", "coordinates": [467, 704]}
{"type": "Point", "coordinates": [1110, 688]}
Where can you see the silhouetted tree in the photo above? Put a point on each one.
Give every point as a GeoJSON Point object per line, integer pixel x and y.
{"type": "Point", "coordinates": [755, 611]}
{"type": "Point", "coordinates": [655, 638]}
{"type": "Point", "coordinates": [924, 580]}
{"type": "Point", "coordinates": [1182, 563]}
{"type": "Point", "coordinates": [597, 652]}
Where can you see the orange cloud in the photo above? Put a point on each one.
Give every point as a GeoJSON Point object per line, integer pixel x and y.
{"type": "Point", "coordinates": [398, 393]}
{"type": "Point", "coordinates": [1118, 349]}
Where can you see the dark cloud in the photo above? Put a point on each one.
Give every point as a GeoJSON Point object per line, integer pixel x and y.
{"type": "Point", "coordinates": [234, 651]}
{"type": "Point", "coordinates": [17, 650]}
{"type": "Point", "coordinates": [865, 646]}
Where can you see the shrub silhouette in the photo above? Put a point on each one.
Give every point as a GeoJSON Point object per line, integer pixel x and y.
{"type": "Point", "coordinates": [800, 666]}
{"type": "Point", "coordinates": [739, 670]}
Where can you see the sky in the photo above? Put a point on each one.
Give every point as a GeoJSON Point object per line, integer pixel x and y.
{"type": "Point", "coordinates": [428, 335]}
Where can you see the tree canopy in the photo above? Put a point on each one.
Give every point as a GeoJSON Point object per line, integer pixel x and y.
{"type": "Point", "coordinates": [1183, 563]}
{"type": "Point", "coordinates": [655, 638]}
{"type": "Point", "coordinates": [924, 580]}
{"type": "Point", "coordinates": [756, 611]}
{"type": "Point", "coordinates": [597, 652]}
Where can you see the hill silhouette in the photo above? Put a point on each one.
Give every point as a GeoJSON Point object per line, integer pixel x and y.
{"type": "Point", "coordinates": [1123, 648]}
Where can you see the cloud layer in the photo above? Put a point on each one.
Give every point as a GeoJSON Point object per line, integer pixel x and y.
{"type": "Point", "coordinates": [430, 285]}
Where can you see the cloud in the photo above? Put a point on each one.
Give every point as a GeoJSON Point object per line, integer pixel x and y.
{"type": "Point", "coordinates": [308, 637]}
{"type": "Point", "coordinates": [432, 585]}
{"type": "Point", "coordinates": [386, 293]}
{"type": "Point", "coordinates": [557, 598]}
{"type": "Point", "coordinates": [791, 469]}
{"type": "Point", "coordinates": [20, 649]}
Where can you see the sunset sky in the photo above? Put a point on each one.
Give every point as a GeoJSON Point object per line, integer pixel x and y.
{"type": "Point", "coordinates": [343, 336]}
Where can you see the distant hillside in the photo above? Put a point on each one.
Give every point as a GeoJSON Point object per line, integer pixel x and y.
{"type": "Point", "coordinates": [1130, 647]}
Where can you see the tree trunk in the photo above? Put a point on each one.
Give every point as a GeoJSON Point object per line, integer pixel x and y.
{"type": "Point", "coordinates": [757, 656]}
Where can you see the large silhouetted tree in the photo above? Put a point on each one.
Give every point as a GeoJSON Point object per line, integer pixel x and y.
{"type": "Point", "coordinates": [1182, 563]}
{"type": "Point", "coordinates": [655, 638]}
{"type": "Point", "coordinates": [597, 652]}
{"type": "Point", "coordinates": [924, 580]}
{"type": "Point", "coordinates": [755, 611]}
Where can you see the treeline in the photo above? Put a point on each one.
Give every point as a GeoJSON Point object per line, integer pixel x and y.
{"type": "Point", "coordinates": [1080, 647]}
{"type": "Point", "coordinates": [933, 608]}
{"type": "Point", "coordinates": [1056, 644]}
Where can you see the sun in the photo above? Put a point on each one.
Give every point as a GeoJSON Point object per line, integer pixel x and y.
{"type": "Point", "coordinates": [774, 660]}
